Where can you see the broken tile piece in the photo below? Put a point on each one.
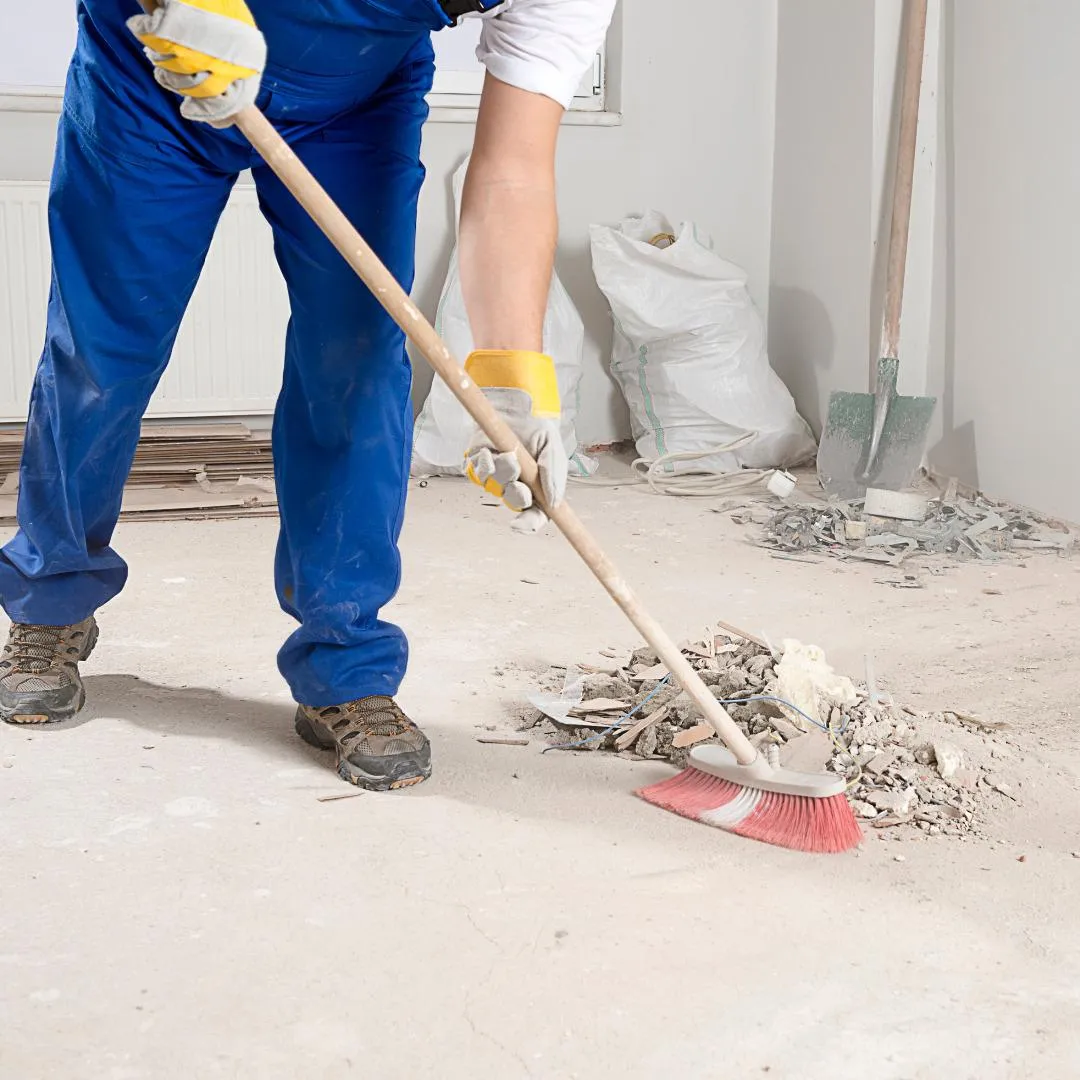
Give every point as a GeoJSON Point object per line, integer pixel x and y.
{"type": "Point", "coordinates": [949, 758]}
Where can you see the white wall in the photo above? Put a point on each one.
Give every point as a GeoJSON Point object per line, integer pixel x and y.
{"type": "Point", "coordinates": [992, 270]}
{"type": "Point", "coordinates": [837, 108]}
{"type": "Point", "coordinates": [821, 255]}
{"type": "Point", "coordinates": [696, 142]}
{"type": "Point", "coordinates": [1009, 274]}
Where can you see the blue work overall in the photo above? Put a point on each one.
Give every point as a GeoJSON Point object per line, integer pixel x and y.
{"type": "Point", "coordinates": [136, 194]}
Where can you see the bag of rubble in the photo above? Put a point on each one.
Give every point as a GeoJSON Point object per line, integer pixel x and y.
{"type": "Point", "coordinates": [444, 430]}
{"type": "Point", "coordinates": [689, 353]}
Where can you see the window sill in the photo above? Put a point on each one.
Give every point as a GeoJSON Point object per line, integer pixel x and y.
{"type": "Point", "coordinates": [440, 114]}
{"type": "Point", "coordinates": [449, 114]}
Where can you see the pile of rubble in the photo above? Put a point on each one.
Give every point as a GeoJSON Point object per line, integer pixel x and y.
{"type": "Point", "coordinates": [974, 527]}
{"type": "Point", "coordinates": [939, 774]}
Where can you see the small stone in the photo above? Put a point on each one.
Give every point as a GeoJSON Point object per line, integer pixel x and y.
{"type": "Point", "coordinates": [924, 754]}
{"type": "Point", "coordinates": [893, 802]}
{"type": "Point", "coordinates": [646, 742]}
{"type": "Point", "coordinates": [606, 686]}
{"type": "Point", "coordinates": [949, 758]}
{"type": "Point", "coordinates": [880, 762]}
{"type": "Point", "coordinates": [1021, 858]}
{"type": "Point", "coordinates": [785, 727]}
{"type": "Point", "coordinates": [865, 810]}
{"type": "Point", "coordinates": [899, 858]}
{"type": "Point", "coordinates": [1076, 854]}
{"type": "Point", "coordinates": [807, 753]}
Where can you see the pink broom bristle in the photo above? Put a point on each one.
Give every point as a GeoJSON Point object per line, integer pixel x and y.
{"type": "Point", "coordinates": [792, 821]}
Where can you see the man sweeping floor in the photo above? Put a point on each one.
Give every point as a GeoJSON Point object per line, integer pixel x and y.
{"type": "Point", "coordinates": [141, 177]}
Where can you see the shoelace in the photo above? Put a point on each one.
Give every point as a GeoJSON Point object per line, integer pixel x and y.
{"type": "Point", "coordinates": [33, 648]}
{"type": "Point", "coordinates": [383, 719]}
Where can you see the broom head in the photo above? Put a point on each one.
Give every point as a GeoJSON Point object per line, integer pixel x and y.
{"type": "Point", "coordinates": [802, 811]}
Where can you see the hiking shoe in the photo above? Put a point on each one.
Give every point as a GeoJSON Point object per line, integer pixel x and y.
{"type": "Point", "coordinates": [39, 671]}
{"type": "Point", "coordinates": [378, 746]}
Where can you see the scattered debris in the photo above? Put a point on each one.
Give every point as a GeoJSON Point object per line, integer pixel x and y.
{"type": "Point", "coordinates": [901, 505]}
{"type": "Point", "coordinates": [908, 772]}
{"type": "Point", "coordinates": [493, 741]}
{"type": "Point", "coordinates": [338, 798]}
{"type": "Point", "coordinates": [216, 469]}
{"type": "Point", "coordinates": [952, 525]}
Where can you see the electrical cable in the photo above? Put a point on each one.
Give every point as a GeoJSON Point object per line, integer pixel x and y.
{"type": "Point", "coordinates": [693, 483]}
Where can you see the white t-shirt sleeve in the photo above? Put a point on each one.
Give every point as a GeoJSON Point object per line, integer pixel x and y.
{"type": "Point", "coordinates": [545, 46]}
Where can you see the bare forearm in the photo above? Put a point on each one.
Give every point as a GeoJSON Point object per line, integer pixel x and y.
{"type": "Point", "coordinates": [509, 223]}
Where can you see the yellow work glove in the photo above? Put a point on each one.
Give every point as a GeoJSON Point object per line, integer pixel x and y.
{"type": "Point", "coordinates": [522, 387]}
{"type": "Point", "coordinates": [209, 51]}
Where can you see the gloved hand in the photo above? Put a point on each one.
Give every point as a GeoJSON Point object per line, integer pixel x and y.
{"type": "Point", "coordinates": [209, 51]}
{"type": "Point", "coordinates": [522, 387]}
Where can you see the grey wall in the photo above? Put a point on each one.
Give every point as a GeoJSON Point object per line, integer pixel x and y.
{"type": "Point", "coordinates": [696, 142]}
{"type": "Point", "coordinates": [821, 253]}
{"type": "Point", "coordinates": [1009, 376]}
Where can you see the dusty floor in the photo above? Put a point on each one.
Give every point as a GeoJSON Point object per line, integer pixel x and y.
{"type": "Point", "coordinates": [176, 902]}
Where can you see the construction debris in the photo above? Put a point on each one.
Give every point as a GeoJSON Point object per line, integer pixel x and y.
{"type": "Point", "coordinates": [205, 470]}
{"type": "Point", "coordinates": [974, 527]}
{"type": "Point", "coordinates": [908, 772]}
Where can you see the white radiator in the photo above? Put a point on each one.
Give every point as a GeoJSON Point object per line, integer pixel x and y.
{"type": "Point", "coordinates": [228, 358]}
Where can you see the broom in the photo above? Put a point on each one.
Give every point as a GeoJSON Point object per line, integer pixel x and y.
{"type": "Point", "coordinates": [738, 790]}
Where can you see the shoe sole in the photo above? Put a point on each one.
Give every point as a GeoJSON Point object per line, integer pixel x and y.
{"type": "Point", "coordinates": [405, 773]}
{"type": "Point", "coordinates": [57, 711]}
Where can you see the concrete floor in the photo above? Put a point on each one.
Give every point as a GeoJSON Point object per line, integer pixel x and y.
{"type": "Point", "coordinates": [176, 902]}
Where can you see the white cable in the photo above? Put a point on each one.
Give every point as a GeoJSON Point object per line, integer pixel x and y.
{"type": "Point", "coordinates": [700, 483]}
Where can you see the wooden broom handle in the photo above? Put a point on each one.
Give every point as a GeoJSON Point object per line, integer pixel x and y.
{"type": "Point", "coordinates": [905, 177]}
{"type": "Point", "coordinates": [339, 230]}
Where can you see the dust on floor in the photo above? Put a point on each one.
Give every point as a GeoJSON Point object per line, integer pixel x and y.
{"type": "Point", "coordinates": [178, 902]}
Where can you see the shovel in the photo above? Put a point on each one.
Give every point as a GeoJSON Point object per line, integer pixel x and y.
{"type": "Point", "coordinates": [877, 440]}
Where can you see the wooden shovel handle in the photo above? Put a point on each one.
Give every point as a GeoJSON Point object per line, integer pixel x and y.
{"type": "Point", "coordinates": [915, 43]}
{"type": "Point", "coordinates": [354, 249]}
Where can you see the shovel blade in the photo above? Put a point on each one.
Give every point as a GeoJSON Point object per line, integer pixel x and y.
{"type": "Point", "coordinates": [845, 444]}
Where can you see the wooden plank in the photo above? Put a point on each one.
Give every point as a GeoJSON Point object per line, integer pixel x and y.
{"type": "Point", "coordinates": [696, 734]}
{"type": "Point", "coordinates": [599, 705]}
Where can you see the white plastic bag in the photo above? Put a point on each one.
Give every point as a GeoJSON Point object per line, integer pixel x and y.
{"type": "Point", "coordinates": [689, 352]}
{"type": "Point", "coordinates": [444, 429]}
